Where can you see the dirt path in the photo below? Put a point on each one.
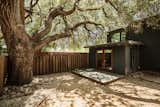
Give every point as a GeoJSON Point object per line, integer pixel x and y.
{"type": "Point", "coordinates": [70, 90]}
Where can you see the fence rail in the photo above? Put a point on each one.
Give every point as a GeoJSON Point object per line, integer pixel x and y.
{"type": "Point", "coordinates": [46, 63]}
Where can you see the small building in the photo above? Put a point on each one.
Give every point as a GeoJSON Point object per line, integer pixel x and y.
{"type": "Point", "coordinates": [147, 31]}
{"type": "Point", "coordinates": [130, 49]}
{"type": "Point", "coordinates": [120, 56]}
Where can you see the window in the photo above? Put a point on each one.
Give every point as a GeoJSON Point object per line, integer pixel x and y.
{"type": "Point", "coordinates": [117, 37]}
{"type": "Point", "coordinates": [123, 36]}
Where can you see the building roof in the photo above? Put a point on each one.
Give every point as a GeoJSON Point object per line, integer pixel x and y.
{"type": "Point", "coordinates": [116, 44]}
{"type": "Point", "coordinates": [117, 30]}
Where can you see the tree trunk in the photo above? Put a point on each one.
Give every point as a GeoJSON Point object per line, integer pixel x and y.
{"type": "Point", "coordinates": [21, 62]}
{"type": "Point", "coordinates": [21, 54]}
{"type": "Point", "coordinates": [19, 43]}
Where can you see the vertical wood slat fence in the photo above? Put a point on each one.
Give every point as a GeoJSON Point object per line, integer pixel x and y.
{"type": "Point", "coordinates": [2, 71]}
{"type": "Point", "coordinates": [47, 63]}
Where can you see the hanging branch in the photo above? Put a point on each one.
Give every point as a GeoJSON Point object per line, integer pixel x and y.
{"type": "Point", "coordinates": [68, 33]}
{"type": "Point", "coordinates": [40, 37]}
{"type": "Point", "coordinates": [104, 12]}
{"type": "Point", "coordinates": [108, 1]}
{"type": "Point", "coordinates": [57, 24]}
{"type": "Point", "coordinates": [89, 9]}
{"type": "Point", "coordinates": [59, 11]}
{"type": "Point", "coordinates": [29, 11]}
{"type": "Point", "coordinates": [86, 28]}
{"type": "Point", "coordinates": [65, 21]}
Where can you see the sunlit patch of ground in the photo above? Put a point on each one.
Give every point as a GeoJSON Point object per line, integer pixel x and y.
{"type": "Point", "coordinates": [69, 90]}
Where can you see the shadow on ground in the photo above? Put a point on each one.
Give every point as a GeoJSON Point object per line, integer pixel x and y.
{"type": "Point", "coordinates": [69, 90]}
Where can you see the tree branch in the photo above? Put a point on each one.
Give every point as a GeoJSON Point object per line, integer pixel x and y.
{"type": "Point", "coordinates": [104, 12]}
{"type": "Point", "coordinates": [108, 1]}
{"type": "Point", "coordinates": [52, 15]}
{"type": "Point", "coordinates": [67, 33]}
{"type": "Point", "coordinates": [49, 39]}
{"type": "Point", "coordinates": [29, 11]}
{"type": "Point", "coordinates": [88, 9]}
{"type": "Point", "coordinates": [33, 4]}
{"type": "Point", "coordinates": [65, 21]}
{"type": "Point", "coordinates": [83, 23]}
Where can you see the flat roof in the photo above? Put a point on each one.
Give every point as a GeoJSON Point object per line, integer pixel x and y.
{"type": "Point", "coordinates": [117, 30]}
{"type": "Point", "coordinates": [116, 44]}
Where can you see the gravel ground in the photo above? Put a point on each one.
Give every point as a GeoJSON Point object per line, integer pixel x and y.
{"type": "Point", "coordinates": [70, 90]}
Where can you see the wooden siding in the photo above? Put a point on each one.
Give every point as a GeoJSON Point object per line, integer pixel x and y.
{"type": "Point", "coordinates": [47, 63]}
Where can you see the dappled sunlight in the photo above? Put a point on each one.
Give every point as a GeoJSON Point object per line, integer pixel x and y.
{"type": "Point", "coordinates": [41, 79]}
{"type": "Point", "coordinates": [136, 90]}
{"type": "Point", "coordinates": [55, 98]}
{"type": "Point", "coordinates": [135, 93]}
{"type": "Point", "coordinates": [65, 77]}
{"type": "Point", "coordinates": [69, 90]}
{"type": "Point", "coordinates": [83, 81]}
{"type": "Point", "coordinates": [74, 98]}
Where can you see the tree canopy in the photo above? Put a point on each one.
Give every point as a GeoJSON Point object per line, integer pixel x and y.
{"type": "Point", "coordinates": [109, 14]}
{"type": "Point", "coordinates": [29, 25]}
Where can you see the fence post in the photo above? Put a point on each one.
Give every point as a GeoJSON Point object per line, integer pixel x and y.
{"type": "Point", "coordinates": [2, 70]}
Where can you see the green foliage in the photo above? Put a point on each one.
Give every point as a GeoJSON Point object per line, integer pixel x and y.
{"type": "Point", "coordinates": [128, 10]}
{"type": "Point", "coordinates": [3, 47]}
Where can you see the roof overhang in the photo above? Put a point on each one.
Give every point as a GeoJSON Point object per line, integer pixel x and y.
{"type": "Point", "coordinates": [111, 45]}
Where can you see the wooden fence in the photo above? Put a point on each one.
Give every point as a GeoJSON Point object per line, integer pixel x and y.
{"type": "Point", "coordinates": [2, 71]}
{"type": "Point", "coordinates": [47, 63]}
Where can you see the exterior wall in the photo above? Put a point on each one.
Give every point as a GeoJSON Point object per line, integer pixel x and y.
{"type": "Point", "coordinates": [127, 60]}
{"type": "Point", "coordinates": [149, 53]}
{"type": "Point", "coordinates": [92, 58]}
{"type": "Point", "coordinates": [134, 58]}
{"type": "Point", "coordinates": [118, 60]}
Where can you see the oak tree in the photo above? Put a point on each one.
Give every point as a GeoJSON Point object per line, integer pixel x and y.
{"type": "Point", "coordinates": [22, 46]}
